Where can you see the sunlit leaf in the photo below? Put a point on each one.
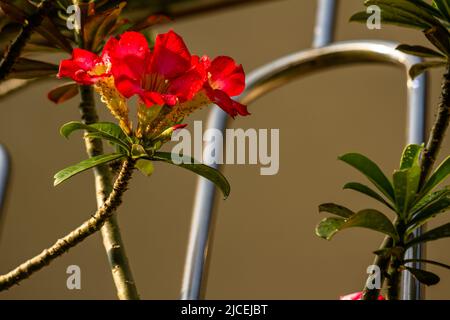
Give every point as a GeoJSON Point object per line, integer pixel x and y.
{"type": "Point", "coordinates": [69, 172]}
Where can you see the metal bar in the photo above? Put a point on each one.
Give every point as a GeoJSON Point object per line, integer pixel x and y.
{"type": "Point", "coordinates": [265, 80]}
{"type": "Point", "coordinates": [325, 23]}
{"type": "Point", "coordinates": [4, 173]}
{"type": "Point", "coordinates": [411, 288]}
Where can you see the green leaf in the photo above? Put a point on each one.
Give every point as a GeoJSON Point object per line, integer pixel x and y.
{"type": "Point", "coordinates": [138, 151]}
{"type": "Point", "coordinates": [432, 235]}
{"type": "Point", "coordinates": [430, 211]}
{"type": "Point", "coordinates": [50, 32]}
{"type": "Point", "coordinates": [69, 172]}
{"type": "Point", "coordinates": [336, 209]}
{"type": "Point", "coordinates": [105, 130]}
{"type": "Point", "coordinates": [371, 171]}
{"type": "Point", "coordinates": [388, 252]}
{"type": "Point", "coordinates": [205, 171]}
{"type": "Point", "coordinates": [369, 219]}
{"type": "Point", "coordinates": [390, 18]}
{"type": "Point", "coordinates": [328, 227]}
{"type": "Point", "coordinates": [418, 10]}
{"type": "Point", "coordinates": [429, 199]}
{"type": "Point", "coordinates": [63, 93]}
{"type": "Point", "coordinates": [358, 187]}
{"type": "Point", "coordinates": [406, 185]}
{"type": "Point", "coordinates": [28, 69]}
{"type": "Point", "coordinates": [439, 264]}
{"type": "Point", "coordinates": [444, 7]}
{"type": "Point", "coordinates": [145, 167]}
{"type": "Point", "coordinates": [419, 68]}
{"type": "Point", "coordinates": [438, 176]}
{"type": "Point", "coordinates": [425, 277]}
{"type": "Point", "coordinates": [410, 156]}
{"type": "Point", "coordinates": [439, 36]}
{"type": "Point", "coordinates": [420, 51]}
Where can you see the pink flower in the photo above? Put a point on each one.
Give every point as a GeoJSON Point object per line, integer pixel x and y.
{"type": "Point", "coordinates": [357, 296]}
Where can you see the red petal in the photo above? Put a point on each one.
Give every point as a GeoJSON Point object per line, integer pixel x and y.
{"type": "Point", "coordinates": [151, 98]}
{"type": "Point", "coordinates": [128, 87]}
{"type": "Point", "coordinates": [227, 76]}
{"type": "Point", "coordinates": [233, 108]}
{"type": "Point", "coordinates": [187, 85]}
{"type": "Point", "coordinates": [78, 66]}
{"type": "Point", "coordinates": [129, 56]}
{"type": "Point", "coordinates": [171, 57]}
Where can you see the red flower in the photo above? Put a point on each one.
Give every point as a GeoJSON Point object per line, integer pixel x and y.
{"type": "Point", "coordinates": [84, 67]}
{"type": "Point", "coordinates": [225, 80]}
{"type": "Point", "coordinates": [357, 296]}
{"type": "Point", "coordinates": [165, 76]}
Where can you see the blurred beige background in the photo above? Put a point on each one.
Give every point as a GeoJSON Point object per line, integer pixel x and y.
{"type": "Point", "coordinates": [265, 247]}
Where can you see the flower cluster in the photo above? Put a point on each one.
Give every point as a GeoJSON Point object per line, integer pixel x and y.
{"type": "Point", "coordinates": [169, 82]}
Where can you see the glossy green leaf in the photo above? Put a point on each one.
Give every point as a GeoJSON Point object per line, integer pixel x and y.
{"type": "Point", "coordinates": [440, 206]}
{"type": "Point", "coordinates": [442, 172]}
{"type": "Point", "coordinates": [420, 51]}
{"type": "Point", "coordinates": [425, 277]}
{"type": "Point", "coordinates": [432, 235]}
{"type": "Point", "coordinates": [410, 156]}
{"type": "Point", "coordinates": [406, 185]}
{"type": "Point", "coordinates": [359, 187]}
{"type": "Point", "coordinates": [328, 227]}
{"type": "Point", "coordinates": [369, 219]}
{"type": "Point", "coordinates": [105, 130]}
{"type": "Point", "coordinates": [205, 171]}
{"type": "Point", "coordinates": [336, 209]}
{"type": "Point", "coordinates": [419, 68]}
{"type": "Point", "coordinates": [63, 93]}
{"type": "Point", "coordinates": [145, 167]}
{"type": "Point", "coordinates": [69, 172]}
{"type": "Point", "coordinates": [371, 171]}
{"type": "Point", "coordinates": [429, 199]}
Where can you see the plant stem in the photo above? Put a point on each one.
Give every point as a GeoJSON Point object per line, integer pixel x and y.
{"type": "Point", "coordinates": [394, 279]}
{"type": "Point", "coordinates": [440, 127]}
{"type": "Point", "coordinates": [428, 160]}
{"type": "Point", "coordinates": [383, 264]}
{"type": "Point", "coordinates": [89, 227]}
{"type": "Point", "coordinates": [14, 50]}
{"type": "Point", "coordinates": [112, 239]}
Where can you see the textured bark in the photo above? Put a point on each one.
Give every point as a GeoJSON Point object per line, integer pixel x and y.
{"type": "Point", "coordinates": [89, 227]}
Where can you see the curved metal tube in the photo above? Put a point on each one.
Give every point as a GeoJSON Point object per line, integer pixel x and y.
{"type": "Point", "coordinates": [4, 173]}
{"type": "Point", "coordinates": [268, 78]}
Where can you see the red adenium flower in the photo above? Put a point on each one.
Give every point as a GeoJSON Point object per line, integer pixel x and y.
{"type": "Point", "coordinates": [357, 296]}
{"type": "Point", "coordinates": [165, 76]}
{"type": "Point", "coordinates": [84, 67]}
{"type": "Point", "coordinates": [226, 79]}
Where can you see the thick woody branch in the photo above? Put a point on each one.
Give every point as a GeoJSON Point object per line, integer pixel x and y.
{"type": "Point", "coordinates": [89, 227]}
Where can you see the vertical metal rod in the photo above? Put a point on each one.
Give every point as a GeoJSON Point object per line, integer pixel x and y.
{"type": "Point", "coordinates": [416, 126]}
{"type": "Point", "coordinates": [4, 174]}
{"type": "Point", "coordinates": [195, 266]}
{"type": "Point", "coordinates": [194, 282]}
{"type": "Point", "coordinates": [325, 23]}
